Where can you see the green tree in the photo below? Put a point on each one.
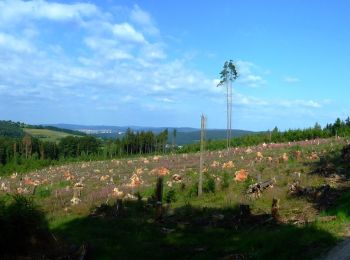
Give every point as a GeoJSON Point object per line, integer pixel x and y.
{"type": "Point", "coordinates": [174, 137]}
{"type": "Point", "coordinates": [227, 76]}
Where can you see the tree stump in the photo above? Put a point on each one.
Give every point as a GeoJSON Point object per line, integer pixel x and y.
{"type": "Point", "coordinates": [275, 209]}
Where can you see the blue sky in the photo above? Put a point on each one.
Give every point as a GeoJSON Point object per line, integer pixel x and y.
{"type": "Point", "coordinates": [156, 63]}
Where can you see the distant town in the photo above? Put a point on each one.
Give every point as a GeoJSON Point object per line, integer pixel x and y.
{"type": "Point", "coordinates": [100, 131]}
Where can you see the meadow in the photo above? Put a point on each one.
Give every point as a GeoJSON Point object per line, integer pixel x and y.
{"type": "Point", "coordinates": [46, 134]}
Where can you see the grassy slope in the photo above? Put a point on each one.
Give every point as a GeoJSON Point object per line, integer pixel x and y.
{"type": "Point", "coordinates": [45, 134]}
{"type": "Point", "coordinates": [192, 229]}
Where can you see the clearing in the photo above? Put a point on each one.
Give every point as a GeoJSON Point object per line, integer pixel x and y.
{"type": "Point", "coordinates": [107, 209]}
{"type": "Point", "coordinates": [46, 134]}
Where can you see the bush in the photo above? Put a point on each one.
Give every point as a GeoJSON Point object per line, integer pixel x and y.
{"type": "Point", "coordinates": [193, 191]}
{"type": "Point", "coordinates": [43, 192]}
{"type": "Point", "coordinates": [170, 196]}
{"type": "Point", "coordinates": [209, 184]}
{"type": "Point", "coordinates": [23, 226]}
{"type": "Point", "coordinates": [249, 181]}
{"type": "Point", "coordinates": [225, 181]}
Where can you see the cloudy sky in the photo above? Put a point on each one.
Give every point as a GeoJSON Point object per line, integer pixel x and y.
{"type": "Point", "coordinates": [156, 63]}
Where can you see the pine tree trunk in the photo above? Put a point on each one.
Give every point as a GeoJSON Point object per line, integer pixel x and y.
{"type": "Point", "coordinates": [228, 118]}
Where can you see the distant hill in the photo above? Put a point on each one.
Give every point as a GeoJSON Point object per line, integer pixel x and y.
{"type": "Point", "coordinates": [185, 135]}
{"type": "Point", "coordinates": [116, 129]}
{"type": "Point", "coordinates": [18, 129]}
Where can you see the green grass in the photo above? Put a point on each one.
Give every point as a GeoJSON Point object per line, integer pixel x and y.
{"type": "Point", "coordinates": [190, 228]}
{"type": "Point", "coordinates": [135, 235]}
{"type": "Point", "coordinates": [46, 134]}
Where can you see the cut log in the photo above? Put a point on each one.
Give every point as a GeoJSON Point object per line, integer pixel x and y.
{"type": "Point", "coordinates": [256, 188]}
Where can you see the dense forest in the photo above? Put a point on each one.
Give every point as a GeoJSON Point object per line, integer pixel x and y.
{"type": "Point", "coordinates": [21, 152]}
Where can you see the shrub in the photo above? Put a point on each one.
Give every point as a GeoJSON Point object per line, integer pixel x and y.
{"type": "Point", "coordinates": [225, 181]}
{"type": "Point", "coordinates": [23, 226]}
{"type": "Point", "coordinates": [209, 184]}
{"type": "Point", "coordinates": [249, 181]}
{"type": "Point", "coordinates": [44, 192]}
{"type": "Point", "coordinates": [193, 191]}
{"type": "Point", "coordinates": [170, 196]}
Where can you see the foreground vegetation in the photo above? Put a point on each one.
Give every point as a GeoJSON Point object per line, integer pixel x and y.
{"type": "Point", "coordinates": [310, 219]}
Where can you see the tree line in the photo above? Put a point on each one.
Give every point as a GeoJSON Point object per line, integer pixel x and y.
{"type": "Point", "coordinates": [26, 153]}
{"type": "Point", "coordinates": [338, 128]}
{"type": "Point", "coordinates": [140, 142]}
{"type": "Point", "coordinates": [21, 154]}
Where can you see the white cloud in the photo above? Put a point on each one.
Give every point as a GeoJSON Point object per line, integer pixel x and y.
{"type": "Point", "coordinates": [142, 18]}
{"type": "Point", "coordinates": [247, 74]}
{"type": "Point", "coordinates": [289, 79]}
{"type": "Point", "coordinates": [153, 51]}
{"type": "Point", "coordinates": [165, 100]}
{"type": "Point", "coordinates": [240, 99]}
{"type": "Point", "coordinates": [12, 43]}
{"type": "Point", "coordinates": [125, 31]}
{"type": "Point", "coordinates": [254, 102]}
{"type": "Point", "coordinates": [14, 11]}
{"type": "Point", "coordinates": [302, 103]}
